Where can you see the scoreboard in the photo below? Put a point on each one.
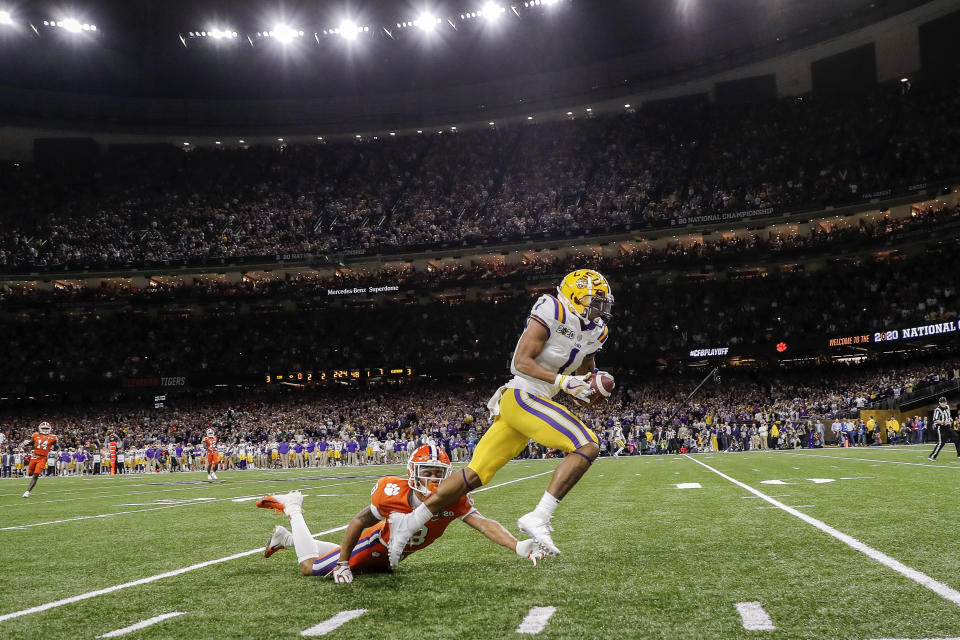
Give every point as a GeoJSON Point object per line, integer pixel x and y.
{"type": "Point", "coordinates": [336, 375]}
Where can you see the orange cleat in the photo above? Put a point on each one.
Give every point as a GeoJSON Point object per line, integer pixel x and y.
{"type": "Point", "coordinates": [271, 502]}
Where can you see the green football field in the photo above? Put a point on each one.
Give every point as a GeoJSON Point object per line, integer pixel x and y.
{"type": "Point", "coordinates": [828, 544]}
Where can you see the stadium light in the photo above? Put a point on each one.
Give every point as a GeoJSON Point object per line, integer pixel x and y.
{"type": "Point", "coordinates": [6, 18]}
{"type": "Point", "coordinates": [71, 24]}
{"type": "Point", "coordinates": [349, 30]}
{"type": "Point", "coordinates": [492, 11]}
{"type": "Point", "coordinates": [285, 33]}
{"type": "Point", "coordinates": [427, 21]}
{"type": "Point", "coordinates": [220, 34]}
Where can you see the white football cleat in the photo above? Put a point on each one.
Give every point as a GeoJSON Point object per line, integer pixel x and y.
{"type": "Point", "coordinates": [26, 494]}
{"type": "Point", "coordinates": [401, 530]}
{"type": "Point", "coordinates": [539, 529]}
{"type": "Point", "coordinates": [280, 539]}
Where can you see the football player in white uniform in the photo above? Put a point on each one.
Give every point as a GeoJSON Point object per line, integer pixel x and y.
{"type": "Point", "coordinates": [556, 352]}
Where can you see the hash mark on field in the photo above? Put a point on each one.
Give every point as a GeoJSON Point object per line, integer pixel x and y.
{"type": "Point", "coordinates": [754, 617]}
{"type": "Point", "coordinates": [333, 623]}
{"type": "Point", "coordinates": [796, 506]}
{"type": "Point", "coordinates": [142, 624]}
{"type": "Point", "coordinates": [536, 620]}
{"type": "Point", "coordinates": [689, 485]}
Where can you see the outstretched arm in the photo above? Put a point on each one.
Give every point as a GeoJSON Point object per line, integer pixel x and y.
{"type": "Point", "coordinates": [496, 532]}
{"type": "Point", "coordinates": [492, 529]}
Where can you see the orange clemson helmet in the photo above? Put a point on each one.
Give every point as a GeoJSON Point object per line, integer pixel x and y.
{"type": "Point", "coordinates": [428, 457]}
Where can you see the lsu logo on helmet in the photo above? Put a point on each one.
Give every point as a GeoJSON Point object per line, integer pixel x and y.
{"type": "Point", "coordinates": [588, 293]}
{"type": "Point", "coordinates": [427, 457]}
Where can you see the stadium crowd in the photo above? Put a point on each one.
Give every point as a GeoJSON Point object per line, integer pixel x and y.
{"type": "Point", "coordinates": [651, 168]}
{"type": "Point", "coordinates": [836, 237]}
{"type": "Point", "coordinates": [315, 428]}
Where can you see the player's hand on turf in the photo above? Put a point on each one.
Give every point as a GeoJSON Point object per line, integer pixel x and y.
{"type": "Point", "coordinates": [576, 386]}
{"type": "Point", "coordinates": [342, 573]}
{"type": "Point", "coordinates": [531, 551]}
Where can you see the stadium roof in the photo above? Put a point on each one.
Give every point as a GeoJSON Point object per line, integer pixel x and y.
{"type": "Point", "coordinates": [296, 49]}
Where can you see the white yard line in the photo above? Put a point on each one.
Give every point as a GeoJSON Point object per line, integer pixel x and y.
{"type": "Point", "coordinates": [754, 617]}
{"type": "Point", "coordinates": [201, 565]}
{"type": "Point", "coordinates": [142, 624]}
{"type": "Point", "coordinates": [193, 486]}
{"type": "Point", "coordinates": [942, 590]}
{"type": "Point", "coordinates": [194, 478]}
{"type": "Point", "coordinates": [536, 620]}
{"type": "Point", "coordinates": [333, 623]}
{"type": "Point", "coordinates": [193, 503]}
{"type": "Point", "coordinates": [932, 465]}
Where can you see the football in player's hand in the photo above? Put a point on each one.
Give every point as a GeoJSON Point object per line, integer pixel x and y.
{"type": "Point", "coordinates": [601, 386]}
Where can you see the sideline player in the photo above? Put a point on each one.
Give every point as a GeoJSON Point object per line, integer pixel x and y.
{"type": "Point", "coordinates": [210, 444]}
{"type": "Point", "coordinates": [43, 440]}
{"type": "Point", "coordinates": [554, 353]}
{"type": "Point", "coordinates": [364, 543]}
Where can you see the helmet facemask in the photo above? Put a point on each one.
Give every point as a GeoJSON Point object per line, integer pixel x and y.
{"type": "Point", "coordinates": [45, 428]}
{"type": "Point", "coordinates": [601, 304]}
{"type": "Point", "coordinates": [427, 484]}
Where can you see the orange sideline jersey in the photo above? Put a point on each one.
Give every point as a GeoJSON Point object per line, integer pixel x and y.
{"type": "Point", "coordinates": [42, 443]}
{"type": "Point", "coordinates": [392, 493]}
{"type": "Point", "coordinates": [210, 444]}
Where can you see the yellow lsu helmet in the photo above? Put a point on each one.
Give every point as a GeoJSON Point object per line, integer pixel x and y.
{"type": "Point", "coordinates": [587, 292]}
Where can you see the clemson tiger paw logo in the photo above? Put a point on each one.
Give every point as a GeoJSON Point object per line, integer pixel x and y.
{"type": "Point", "coordinates": [392, 489]}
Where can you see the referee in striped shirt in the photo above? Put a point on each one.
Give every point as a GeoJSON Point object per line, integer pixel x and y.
{"type": "Point", "coordinates": [945, 431]}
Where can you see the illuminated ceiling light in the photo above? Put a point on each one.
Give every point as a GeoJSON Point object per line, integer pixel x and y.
{"type": "Point", "coordinates": [589, 110]}
{"type": "Point", "coordinates": [71, 25]}
{"type": "Point", "coordinates": [320, 138]}
{"type": "Point", "coordinates": [279, 139]}
{"type": "Point", "coordinates": [186, 144]}
{"type": "Point", "coordinates": [242, 141]}
{"type": "Point", "coordinates": [491, 123]}
{"type": "Point", "coordinates": [427, 21]}
{"type": "Point", "coordinates": [529, 117]}
{"type": "Point", "coordinates": [285, 33]}
{"type": "Point", "coordinates": [393, 133]}
{"type": "Point", "coordinates": [419, 130]}
{"type": "Point", "coordinates": [569, 113]}
{"type": "Point", "coordinates": [492, 11]}
{"type": "Point", "coordinates": [626, 106]}
{"type": "Point", "coordinates": [219, 34]}
{"type": "Point", "coordinates": [901, 79]}
{"type": "Point", "coordinates": [217, 142]}
{"type": "Point", "coordinates": [5, 18]}
{"type": "Point", "coordinates": [348, 30]}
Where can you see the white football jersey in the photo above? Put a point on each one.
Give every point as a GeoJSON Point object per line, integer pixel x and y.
{"type": "Point", "coordinates": [568, 343]}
